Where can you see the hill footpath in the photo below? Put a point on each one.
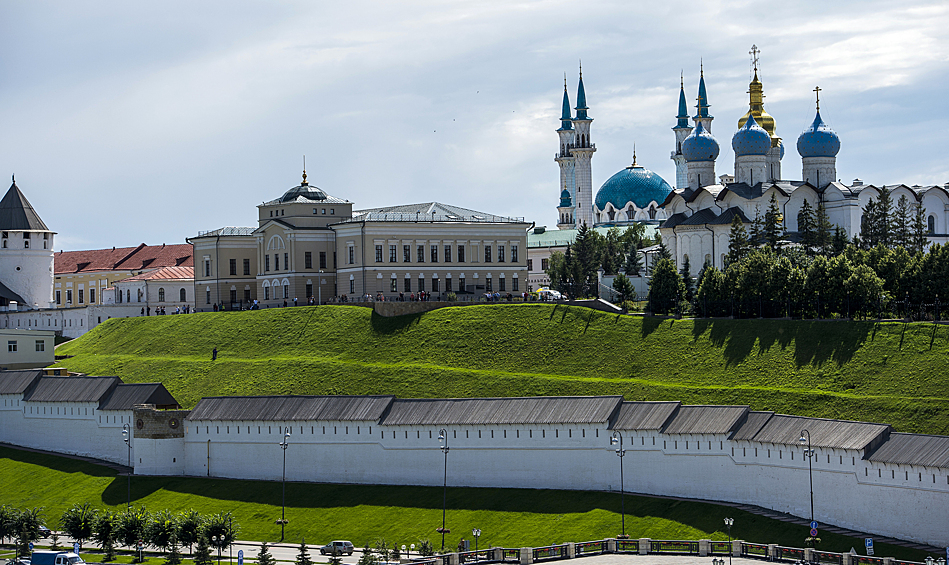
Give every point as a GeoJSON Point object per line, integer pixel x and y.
{"type": "Point", "coordinates": [882, 372]}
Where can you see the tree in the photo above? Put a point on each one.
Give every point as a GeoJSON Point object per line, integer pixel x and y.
{"type": "Point", "coordinates": [863, 288]}
{"type": "Point", "coordinates": [7, 522]}
{"type": "Point", "coordinates": [612, 254]}
{"type": "Point", "coordinates": [557, 271]}
{"type": "Point", "coordinates": [688, 283]}
{"type": "Point", "coordinates": [131, 526]}
{"type": "Point", "coordinates": [425, 547]}
{"type": "Point", "coordinates": [901, 224]}
{"type": "Point", "coordinates": [822, 230]}
{"type": "Point", "coordinates": [665, 287]}
{"type": "Point", "coordinates": [383, 549]}
{"type": "Point", "coordinates": [919, 228]}
{"type": "Point", "coordinates": [807, 227]}
{"type": "Point", "coordinates": [663, 251]}
{"type": "Point", "coordinates": [587, 250]}
{"type": "Point", "coordinates": [756, 236]}
{"type": "Point", "coordinates": [27, 524]}
{"type": "Point", "coordinates": [220, 530]}
{"type": "Point", "coordinates": [773, 224]}
{"type": "Point", "coordinates": [104, 533]}
{"type": "Point", "coordinates": [367, 558]}
{"type": "Point", "coordinates": [633, 263]}
{"type": "Point", "coordinates": [624, 288]}
{"type": "Point", "coordinates": [174, 554]}
{"type": "Point", "coordinates": [54, 541]}
{"type": "Point", "coordinates": [202, 551]}
{"type": "Point", "coordinates": [189, 527]}
{"type": "Point", "coordinates": [160, 529]}
{"type": "Point", "coordinates": [78, 522]}
{"type": "Point", "coordinates": [303, 554]}
{"type": "Point", "coordinates": [737, 241]}
{"type": "Point", "coordinates": [885, 216]}
{"type": "Point", "coordinates": [264, 557]}
{"type": "Point", "coordinates": [840, 241]}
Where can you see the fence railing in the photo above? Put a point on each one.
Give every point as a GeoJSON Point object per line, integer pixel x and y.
{"type": "Point", "coordinates": [597, 547]}
{"type": "Point", "coordinates": [550, 552]}
{"type": "Point", "coordinates": [782, 553]}
{"type": "Point", "coordinates": [510, 554]}
{"type": "Point", "coordinates": [747, 549]}
{"type": "Point", "coordinates": [828, 558]}
{"type": "Point", "coordinates": [627, 546]}
{"type": "Point", "coordinates": [674, 547]}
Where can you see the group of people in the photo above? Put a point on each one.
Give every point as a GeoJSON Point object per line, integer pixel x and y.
{"type": "Point", "coordinates": [160, 310]}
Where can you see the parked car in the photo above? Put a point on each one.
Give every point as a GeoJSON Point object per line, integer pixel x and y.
{"type": "Point", "coordinates": [55, 558]}
{"type": "Point", "coordinates": [18, 562]}
{"type": "Point", "coordinates": [44, 531]}
{"type": "Point", "coordinates": [338, 547]}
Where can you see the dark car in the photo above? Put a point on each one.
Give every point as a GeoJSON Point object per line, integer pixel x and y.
{"type": "Point", "coordinates": [338, 547]}
{"type": "Point", "coordinates": [44, 531]}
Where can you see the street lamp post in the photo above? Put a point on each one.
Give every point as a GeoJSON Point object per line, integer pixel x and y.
{"type": "Point", "coordinates": [127, 438]}
{"type": "Point", "coordinates": [617, 439]}
{"type": "Point", "coordinates": [443, 439]}
{"type": "Point", "coordinates": [283, 510]}
{"type": "Point", "coordinates": [728, 524]}
{"type": "Point", "coordinates": [477, 534]}
{"type": "Point", "coordinates": [805, 439]}
{"type": "Point", "coordinates": [319, 289]}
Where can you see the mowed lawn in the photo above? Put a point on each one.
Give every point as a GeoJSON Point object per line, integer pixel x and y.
{"type": "Point", "coordinates": [882, 372]}
{"type": "Point", "coordinates": [402, 514]}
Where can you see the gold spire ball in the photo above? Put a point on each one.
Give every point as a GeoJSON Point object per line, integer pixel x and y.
{"type": "Point", "coordinates": [756, 102]}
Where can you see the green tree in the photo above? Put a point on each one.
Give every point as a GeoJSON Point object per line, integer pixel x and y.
{"type": "Point", "coordinates": [303, 554]}
{"type": "Point", "coordinates": [756, 234]}
{"type": "Point", "coordinates": [773, 224]}
{"type": "Point", "coordinates": [688, 283]}
{"type": "Point", "coordinates": [104, 533]}
{"type": "Point", "coordinates": [367, 557]}
{"type": "Point", "coordinates": [54, 541]}
{"type": "Point", "coordinates": [587, 250]}
{"type": "Point", "coordinates": [174, 554]}
{"type": "Point", "coordinates": [79, 521]}
{"type": "Point", "coordinates": [623, 287]}
{"type": "Point", "coordinates": [383, 549]}
{"type": "Point", "coordinates": [190, 524]}
{"type": "Point", "coordinates": [712, 293]}
{"type": "Point", "coordinates": [264, 557]}
{"type": "Point", "coordinates": [863, 288]}
{"type": "Point", "coordinates": [633, 263]}
{"type": "Point", "coordinates": [918, 228]}
{"type": "Point", "coordinates": [839, 242]}
{"type": "Point", "coordinates": [823, 230]}
{"type": "Point", "coordinates": [220, 530]}
{"type": "Point", "coordinates": [162, 526]}
{"type": "Point", "coordinates": [612, 254]}
{"type": "Point", "coordinates": [665, 288]}
{"type": "Point", "coordinates": [425, 547]}
{"type": "Point", "coordinates": [7, 522]}
{"type": "Point", "coordinates": [885, 216]}
{"type": "Point", "coordinates": [131, 526]}
{"type": "Point", "coordinates": [558, 272]}
{"type": "Point", "coordinates": [663, 252]}
{"type": "Point", "coordinates": [807, 227]}
{"type": "Point", "coordinates": [202, 551]}
{"type": "Point", "coordinates": [901, 224]}
{"type": "Point", "coordinates": [737, 241]}
{"type": "Point", "coordinates": [27, 524]}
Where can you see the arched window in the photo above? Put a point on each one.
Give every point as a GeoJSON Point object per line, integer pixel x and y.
{"type": "Point", "coordinates": [612, 214]}
{"type": "Point", "coordinates": [161, 295]}
{"type": "Point", "coordinates": [182, 296]}
{"type": "Point", "coordinates": [932, 224]}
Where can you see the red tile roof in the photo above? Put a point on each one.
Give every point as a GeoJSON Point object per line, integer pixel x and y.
{"type": "Point", "coordinates": [124, 258]}
{"type": "Point", "coordinates": [164, 273]}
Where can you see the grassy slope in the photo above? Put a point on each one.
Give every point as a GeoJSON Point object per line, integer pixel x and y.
{"type": "Point", "coordinates": [401, 514]}
{"type": "Point", "coordinates": [891, 372]}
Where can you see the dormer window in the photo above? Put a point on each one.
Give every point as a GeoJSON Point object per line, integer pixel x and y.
{"type": "Point", "coordinates": [26, 244]}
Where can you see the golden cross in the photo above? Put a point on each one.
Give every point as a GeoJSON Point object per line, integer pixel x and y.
{"type": "Point", "coordinates": [817, 89]}
{"type": "Point", "coordinates": [754, 56]}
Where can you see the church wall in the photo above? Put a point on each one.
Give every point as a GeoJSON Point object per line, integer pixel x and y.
{"type": "Point", "coordinates": [936, 204]}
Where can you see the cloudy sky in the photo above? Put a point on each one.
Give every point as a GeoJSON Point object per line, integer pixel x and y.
{"type": "Point", "coordinates": [131, 121]}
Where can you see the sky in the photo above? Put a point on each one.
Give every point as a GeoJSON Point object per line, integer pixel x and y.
{"type": "Point", "coordinates": [130, 122]}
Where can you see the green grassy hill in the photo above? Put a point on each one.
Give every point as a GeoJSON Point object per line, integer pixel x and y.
{"type": "Point", "coordinates": [881, 372]}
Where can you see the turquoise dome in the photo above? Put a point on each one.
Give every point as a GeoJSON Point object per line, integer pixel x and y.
{"type": "Point", "coordinates": [818, 140]}
{"type": "Point", "coordinates": [565, 200]}
{"type": "Point", "coordinates": [700, 145]}
{"type": "Point", "coordinates": [751, 139]}
{"type": "Point", "coordinates": [633, 184]}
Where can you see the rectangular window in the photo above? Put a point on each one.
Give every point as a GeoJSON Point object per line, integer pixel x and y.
{"type": "Point", "coordinates": [406, 254]}
{"type": "Point", "coordinates": [11, 346]}
{"type": "Point", "coordinates": [421, 285]}
{"type": "Point", "coordinates": [92, 296]}
{"type": "Point", "coordinates": [394, 285]}
{"type": "Point", "coordinates": [322, 259]}
{"type": "Point", "coordinates": [40, 345]}
{"type": "Point", "coordinates": [378, 254]}
{"type": "Point", "coordinates": [500, 253]}
{"type": "Point", "coordinates": [207, 267]}
{"type": "Point", "coordinates": [286, 261]}
{"type": "Point", "coordinates": [392, 254]}
{"type": "Point", "coordinates": [266, 293]}
{"type": "Point", "coordinates": [461, 253]}
{"type": "Point", "coordinates": [81, 301]}
{"type": "Point", "coordinates": [487, 285]}
{"type": "Point", "coordinates": [59, 297]}
{"type": "Point", "coordinates": [266, 263]}
{"type": "Point", "coordinates": [501, 285]}
{"type": "Point", "coordinates": [286, 291]}
{"type": "Point", "coordinates": [434, 254]}
{"type": "Point", "coordinates": [233, 295]}
{"type": "Point", "coordinates": [487, 253]}
{"type": "Point", "coordinates": [207, 296]}
{"type": "Point", "coordinates": [334, 259]}
{"type": "Point", "coordinates": [448, 253]}
{"type": "Point", "coordinates": [308, 259]}
{"type": "Point", "coordinates": [233, 266]}
{"type": "Point", "coordinates": [461, 285]}
{"type": "Point", "coordinates": [352, 255]}
{"type": "Point", "coordinates": [69, 296]}
{"type": "Point", "coordinates": [420, 253]}
{"type": "Point", "coordinates": [408, 285]}
{"type": "Point", "coordinates": [352, 286]}
{"type": "Point", "coordinates": [514, 286]}
{"type": "Point", "coordinates": [434, 285]}
{"type": "Point", "coordinates": [276, 261]}
{"type": "Point", "coordinates": [530, 264]}
{"type": "Point", "coordinates": [246, 266]}
{"type": "Point", "coordinates": [513, 254]}
{"type": "Point", "coordinates": [543, 264]}
{"type": "Point", "coordinates": [246, 295]}
{"type": "Point", "coordinates": [309, 290]}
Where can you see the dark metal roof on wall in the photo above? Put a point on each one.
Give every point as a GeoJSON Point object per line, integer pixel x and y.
{"type": "Point", "coordinates": [72, 389]}
{"type": "Point", "coordinates": [913, 449]}
{"type": "Point", "coordinates": [644, 415]}
{"type": "Point", "coordinates": [537, 410]}
{"type": "Point", "coordinates": [706, 420]}
{"type": "Point", "coordinates": [287, 408]}
{"type": "Point", "coordinates": [18, 382]}
{"type": "Point", "coordinates": [752, 425]}
{"type": "Point", "coordinates": [837, 434]}
{"type": "Point", "coordinates": [125, 396]}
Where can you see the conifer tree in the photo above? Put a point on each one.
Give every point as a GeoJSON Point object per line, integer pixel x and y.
{"type": "Point", "coordinates": [623, 288]}
{"type": "Point", "coordinates": [737, 241]}
{"type": "Point", "coordinates": [807, 228]}
{"type": "Point", "coordinates": [633, 263]}
{"type": "Point", "coordinates": [918, 228]}
{"type": "Point", "coordinates": [665, 287]}
{"type": "Point", "coordinates": [756, 235]}
{"type": "Point", "coordinates": [773, 224]}
{"type": "Point", "coordinates": [840, 241]}
{"type": "Point", "coordinates": [303, 554]}
{"type": "Point", "coordinates": [688, 282]}
{"type": "Point", "coordinates": [901, 224]}
{"type": "Point", "coordinates": [663, 251]}
{"type": "Point", "coordinates": [885, 217]}
{"type": "Point", "coordinates": [264, 557]}
{"type": "Point", "coordinates": [823, 230]}
{"type": "Point", "coordinates": [174, 553]}
{"type": "Point", "coordinates": [202, 551]}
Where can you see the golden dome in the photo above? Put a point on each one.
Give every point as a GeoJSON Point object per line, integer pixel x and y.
{"type": "Point", "coordinates": [756, 108]}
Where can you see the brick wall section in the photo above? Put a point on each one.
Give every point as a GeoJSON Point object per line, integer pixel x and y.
{"type": "Point", "coordinates": [158, 424]}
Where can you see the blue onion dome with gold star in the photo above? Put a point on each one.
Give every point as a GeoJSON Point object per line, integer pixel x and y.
{"type": "Point", "coordinates": [565, 200]}
{"type": "Point", "coordinates": [751, 139]}
{"type": "Point", "coordinates": [634, 184]}
{"type": "Point", "coordinates": [700, 145]}
{"type": "Point", "coordinates": [818, 140]}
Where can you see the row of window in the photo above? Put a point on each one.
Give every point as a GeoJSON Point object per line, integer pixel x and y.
{"type": "Point", "coordinates": [55, 322]}
{"type": "Point", "coordinates": [433, 254]}
{"type": "Point", "coordinates": [26, 240]}
{"type": "Point", "coordinates": [544, 264]}
{"type": "Point", "coordinates": [418, 433]}
{"type": "Point", "coordinates": [81, 295]}
{"type": "Point", "coordinates": [322, 212]}
{"type": "Point", "coordinates": [437, 287]}
{"type": "Point", "coordinates": [12, 345]}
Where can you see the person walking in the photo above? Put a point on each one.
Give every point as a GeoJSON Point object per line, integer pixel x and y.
{"type": "Point", "coordinates": [214, 354]}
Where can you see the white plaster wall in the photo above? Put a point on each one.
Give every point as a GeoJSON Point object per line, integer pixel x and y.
{"type": "Point", "coordinates": [159, 456]}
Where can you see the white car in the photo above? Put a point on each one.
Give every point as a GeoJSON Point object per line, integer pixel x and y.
{"type": "Point", "coordinates": [338, 547]}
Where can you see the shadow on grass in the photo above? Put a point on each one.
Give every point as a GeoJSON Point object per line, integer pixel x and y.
{"type": "Point", "coordinates": [56, 463]}
{"type": "Point", "coordinates": [815, 343]}
{"type": "Point", "coordinates": [395, 324]}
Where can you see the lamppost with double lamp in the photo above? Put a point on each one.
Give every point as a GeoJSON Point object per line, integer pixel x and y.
{"type": "Point", "coordinates": [477, 534]}
{"type": "Point", "coordinates": [617, 439]}
{"type": "Point", "coordinates": [443, 440]}
{"type": "Point", "coordinates": [127, 437]}
{"type": "Point", "coordinates": [283, 511]}
{"type": "Point", "coordinates": [728, 524]}
{"type": "Point", "coordinates": [805, 439]}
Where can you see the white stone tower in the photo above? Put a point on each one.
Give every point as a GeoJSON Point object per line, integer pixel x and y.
{"type": "Point", "coordinates": [566, 210]}
{"type": "Point", "coordinates": [682, 131]}
{"type": "Point", "coordinates": [26, 254]}
{"type": "Point", "coordinates": [583, 154]}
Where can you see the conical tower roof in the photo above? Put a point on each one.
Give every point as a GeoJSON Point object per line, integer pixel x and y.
{"type": "Point", "coordinates": [565, 116]}
{"type": "Point", "coordinates": [17, 214]}
{"type": "Point", "coordinates": [683, 117]}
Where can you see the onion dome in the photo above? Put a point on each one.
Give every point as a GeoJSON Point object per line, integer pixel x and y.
{"type": "Point", "coordinates": [700, 145]}
{"type": "Point", "coordinates": [565, 200]}
{"type": "Point", "coordinates": [781, 146]}
{"type": "Point", "coordinates": [751, 139]}
{"type": "Point", "coordinates": [634, 184]}
{"type": "Point", "coordinates": [818, 140]}
{"type": "Point", "coordinates": [756, 107]}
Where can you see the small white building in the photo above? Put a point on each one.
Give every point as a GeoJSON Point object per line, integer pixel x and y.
{"type": "Point", "coordinates": [165, 287]}
{"type": "Point", "coordinates": [23, 348]}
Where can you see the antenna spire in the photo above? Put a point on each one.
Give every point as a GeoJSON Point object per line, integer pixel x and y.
{"type": "Point", "coordinates": [701, 67]}
{"type": "Point", "coordinates": [634, 154]}
{"type": "Point", "coordinates": [682, 78]}
{"type": "Point", "coordinates": [817, 89]}
{"type": "Point", "coordinates": [565, 82]}
{"type": "Point", "coordinates": [581, 69]}
{"type": "Point", "coordinates": [304, 170]}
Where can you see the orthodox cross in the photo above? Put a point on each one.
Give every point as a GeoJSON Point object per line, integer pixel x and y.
{"type": "Point", "coordinates": [754, 56]}
{"type": "Point", "coordinates": [817, 89]}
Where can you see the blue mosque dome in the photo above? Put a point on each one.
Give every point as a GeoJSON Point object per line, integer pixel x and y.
{"type": "Point", "coordinates": [565, 200]}
{"type": "Point", "coordinates": [818, 140]}
{"type": "Point", "coordinates": [633, 184]}
{"type": "Point", "coordinates": [751, 139]}
{"type": "Point", "coordinates": [781, 145]}
{"type": "Point", "coordinates": [700, 145]}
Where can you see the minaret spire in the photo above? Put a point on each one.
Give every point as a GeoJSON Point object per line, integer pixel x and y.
{"type": "Point", "coordinates": [304, 171]}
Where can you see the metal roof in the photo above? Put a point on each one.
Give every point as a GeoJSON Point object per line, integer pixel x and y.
{"type": "Point", "coordinates": [287, 408]}
{"type": "Point", "coordinates": [753, 424]}
{"type": "Point", "coordinates": [644, 415]}
{"type": "Point", "coordinates": [913, 449]}
{"type": "Point", "coordinates": [226, 231]}
{"type": "Point", "coordinates": [492, 411]}
{"type": "Point", "coordinates": [17, 214]}
{"type": "Point", "coordinates": [125, 396]}
{"type": "Point", "coordinates": [428, 212]}
{"type": "Point", "coordinates": [837, 434]}
{"type": "Point", "coordinates": [18, 382]}
{"type": "Point", "coordinates": [71, 389]}
{"type": "Point", "coordinates": [706, 420]}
